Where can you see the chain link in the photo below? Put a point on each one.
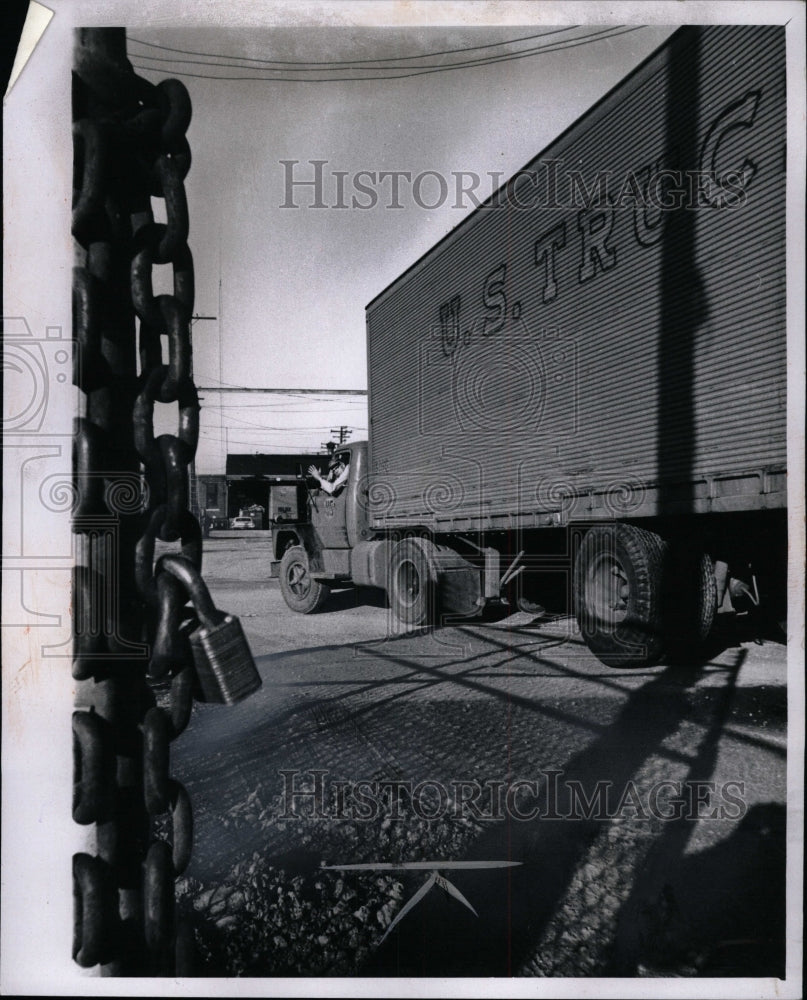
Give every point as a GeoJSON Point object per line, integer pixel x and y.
{"type": "Point", "coordinates": [129, 147]}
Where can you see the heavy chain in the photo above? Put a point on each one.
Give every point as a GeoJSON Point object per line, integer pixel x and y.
{"type": "Point", "coordinates": [132, 658]}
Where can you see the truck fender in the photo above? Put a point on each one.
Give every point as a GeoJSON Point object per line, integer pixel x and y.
{"type": "Point", "coordinates": [459, 582]}
{"type": "Point", "coordinates": [305, 535]}
{"type": "Point", "coordinates": [369, 563]}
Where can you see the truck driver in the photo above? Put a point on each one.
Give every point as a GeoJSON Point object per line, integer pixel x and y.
{"type": "Point", "coordinates": [337, 475]}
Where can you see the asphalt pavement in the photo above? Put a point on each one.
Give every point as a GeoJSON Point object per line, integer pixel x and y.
{"type": "Point", "coordinates": [518, 808]}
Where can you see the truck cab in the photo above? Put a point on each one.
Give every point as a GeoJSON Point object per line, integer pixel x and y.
{"type": "Point", "coordinates": [332, 542]}
{"type": "Point", "coordinates": [320, 548]}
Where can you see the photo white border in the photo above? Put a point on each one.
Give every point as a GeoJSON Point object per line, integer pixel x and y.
{"type": "Point", "coordinates": [39, 837]}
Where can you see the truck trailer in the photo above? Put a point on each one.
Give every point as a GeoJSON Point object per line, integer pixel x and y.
{"type": "Point", "coordinates": [581, 389]}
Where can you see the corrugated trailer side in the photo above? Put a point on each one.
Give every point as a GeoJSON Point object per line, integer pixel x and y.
{"type": "Point", "coordinates": [548, 359]}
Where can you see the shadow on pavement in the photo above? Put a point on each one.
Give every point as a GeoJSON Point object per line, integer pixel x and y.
{"type": "Point", "coordinates": [637, 737]}
{"type": "Point", "coordinates": [354, 597]}
{"type": "Point", "coordinates": [445, 940]}
{"type": "Point", "coordinates": [717, 912]}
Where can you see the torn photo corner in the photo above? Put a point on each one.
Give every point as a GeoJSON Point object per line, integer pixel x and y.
{"type": "Point", "coordinates": [34, 18]}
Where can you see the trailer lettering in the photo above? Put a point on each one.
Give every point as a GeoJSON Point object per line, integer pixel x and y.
{"type": "Point", "coordinates": [648, 228]}
{"type": "Point", "coordinates": [649, 193]}
{"type": "Point", "coordinates": [494, 298]}
{"type": "Point", "coordinates": [450, 326]}
{"type": "Point", "coordinates": [739, 115]}
{"type": "Point", "coordinates": [595, 228]}
{"type": "Point", "coordinates": [545, 247]}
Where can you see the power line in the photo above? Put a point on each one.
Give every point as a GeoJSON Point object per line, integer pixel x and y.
{"type": "Point", "coordinates": [223, 386]}
{"type": "Point", "coordinates": [221, 382]}
{"type": "Point", "coordinates": [271, 427]}
{"type": "Point", "coordinates": [418, 71]}
{"type": "Point", "coordinates": [329, 64]}
{"type": "Point", "coordinates": [558, 47]}
{"type": "Point", "coordinates": [298, 446]}
{"type": "Point", "coordinates": [215, 432]}
{"type": "Point", "coordinates": [283, 407]}
{"type": "Point", "coordinates": [282, 392]}
{"type": "Point", "coordinates": [343, 431]}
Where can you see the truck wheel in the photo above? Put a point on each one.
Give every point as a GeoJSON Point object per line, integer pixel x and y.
{"type": "Point", "coordinates": [617, 591]}
{"type": "Point", "coordinates": [412, 590]}
{"type": "Point", "coordinates": [300, 590]}
{"type": "Point", "coordinates": [707, 608]}
{"type": "Point", "coordinates": [690, 599]}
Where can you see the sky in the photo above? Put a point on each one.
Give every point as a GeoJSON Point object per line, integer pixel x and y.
{"type": "Point", "coordinates": [288, 286]}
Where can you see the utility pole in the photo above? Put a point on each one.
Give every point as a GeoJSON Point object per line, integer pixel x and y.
{"type": "Point", "coordinates": [343, 432]}
{"type": "Point", "coordinates": [193, 483]}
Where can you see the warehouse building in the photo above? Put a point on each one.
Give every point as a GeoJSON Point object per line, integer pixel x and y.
{"type": "Point", "coordinates": [257, 485]}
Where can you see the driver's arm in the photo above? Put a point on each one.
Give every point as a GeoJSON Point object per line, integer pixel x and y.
{"type": "Point", "coordinates": [332, 487]}
{"type": "Point", "coordinates": [340, 479]}
{"type": "Point", "coordinates": [314, 473]}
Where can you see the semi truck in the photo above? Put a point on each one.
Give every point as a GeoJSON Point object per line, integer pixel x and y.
{"type": "Point", "coordinates": [579, 393]}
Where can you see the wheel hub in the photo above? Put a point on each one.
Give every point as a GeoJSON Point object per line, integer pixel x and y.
{"type": "Point", "coordinates": [299, 582]}
{"type": "Point", "coordinates": [408, 583]}
{"type": "Point", "coordinates": [608, 589]}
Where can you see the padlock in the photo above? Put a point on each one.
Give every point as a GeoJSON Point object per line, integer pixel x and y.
{"type": "Point", "coordinates": [223, 660]}
{"type": "Point", "coordinates": [225, 668]}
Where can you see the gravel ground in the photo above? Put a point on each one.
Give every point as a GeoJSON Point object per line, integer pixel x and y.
{"type": "Point", "coordinates": [633, 897]}
{"type": "Point", "coordinates": [298, 919]}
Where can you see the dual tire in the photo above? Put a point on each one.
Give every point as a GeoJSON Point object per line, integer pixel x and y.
{"type": "Point", "coordinates": [637, 598]}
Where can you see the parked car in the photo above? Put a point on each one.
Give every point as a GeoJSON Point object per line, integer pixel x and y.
{"type": "Point", "coordinates": [242, 521]}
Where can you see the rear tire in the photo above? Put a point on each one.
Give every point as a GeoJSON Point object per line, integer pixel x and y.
{"type": "Point", "coordinates": [301, 592]}
{"type": "Point", "coordinates": [707, 610]}
{"type": "Point", "coordinates": [690, 599]}
{"type": "Point", "coordinates": [412, 587]}
{"type": "Point", "coordinates": [618, 594]}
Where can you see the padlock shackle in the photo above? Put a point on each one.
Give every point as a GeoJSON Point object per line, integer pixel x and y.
{"type": "Point", "coordinates": [189, 576]}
